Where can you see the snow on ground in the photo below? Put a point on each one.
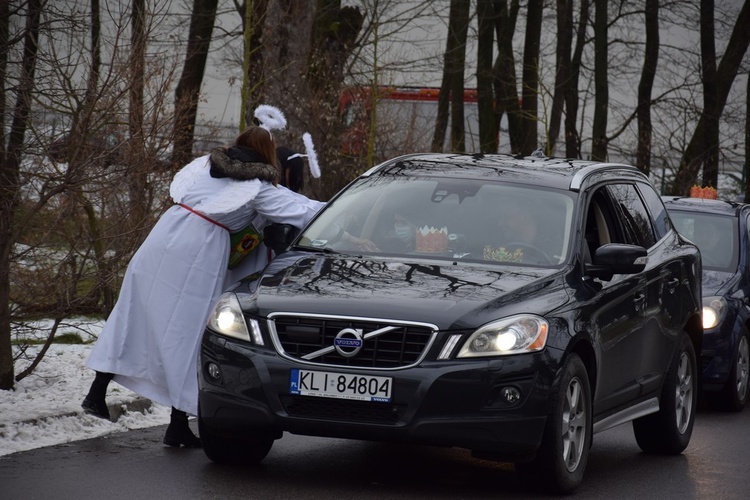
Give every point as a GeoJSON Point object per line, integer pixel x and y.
{"type": "Point", "coordinates": [45, 407]}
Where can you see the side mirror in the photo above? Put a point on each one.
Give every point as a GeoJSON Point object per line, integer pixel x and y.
{"type": "Point", "coordinates": [617, 258]}
{"type": "Point", "coordinates": [278, 237]}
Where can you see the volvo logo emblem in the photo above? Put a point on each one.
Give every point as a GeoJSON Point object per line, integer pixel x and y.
{"type": "Point", "coordinates": [348, 342]}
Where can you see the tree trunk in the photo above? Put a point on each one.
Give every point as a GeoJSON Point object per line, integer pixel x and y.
{"type": "Point", "coordinates": [458, 65]}
{"type": "Point", "coordinates": [725, 75]}
{"type": "Point", "coordinates": [137, 171]}
{"type": "Point", "coordinates": [572, 137]}
{"type": "Point", "coordinates": [530, 84]}
{"type": "Point", "coordinates": [601, 86]}
{"type": "Point", "coordinates": [504, 81]}
{"type": "Point", "coordinates": [253, 21]}
{"type": "Point", "coordinates": [746, 166]}
{"type": "Point", "coordinates": [487, 119]}
{"type": "Point", "coordinates": [334, 37]}
{"type": "Point", "coordinates": [710, 105]}
{"type": "Point", "coordinates": [189, 86]}
{"type": "Point", "coordinates": [452, 70]}
{"type": "Point", "coordinates": [650, 60]}
{"type": "Point", "coordinates": [10, 170]}
{"type": "Point", "coordinates": [563, 51]}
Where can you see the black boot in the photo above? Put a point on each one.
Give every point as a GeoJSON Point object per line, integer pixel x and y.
{"type": "Point", "coordinates": [179, 433]}
{"type": "Point", "coordinates": [94, 403]}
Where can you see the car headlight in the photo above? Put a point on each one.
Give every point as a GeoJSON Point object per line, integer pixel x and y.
{"type": "Point", "coordinates": [714, 310]}
{"type": "Point", "coordinates": [513, 335]}
{"type": "Point", "coordinates": [227, 319]}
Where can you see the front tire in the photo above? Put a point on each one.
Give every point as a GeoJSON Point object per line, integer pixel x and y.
{"type": "Point", "coordinates": [561, 459]}
{"type": "Point", "coordinates": [734, 395]}
{"type": "Point", "coordinates": [233, 451]}
{"type": "Point", "coordinates": [668, 431]}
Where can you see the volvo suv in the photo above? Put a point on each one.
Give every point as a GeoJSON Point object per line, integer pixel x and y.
{"type": "Point", "coordinates": [512, 306]}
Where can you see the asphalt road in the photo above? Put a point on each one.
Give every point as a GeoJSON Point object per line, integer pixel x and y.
{"type": "Point", "coordinates": [135, 465]}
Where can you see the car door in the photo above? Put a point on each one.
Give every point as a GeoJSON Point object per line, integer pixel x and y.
{"type": "Point", "coordinates": [621, 317]}
{"type": "Point", "coordinates": [661, 314]}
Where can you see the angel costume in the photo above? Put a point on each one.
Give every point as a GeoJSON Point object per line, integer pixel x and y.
{"type": "Point", "coordinates": [151, 340]}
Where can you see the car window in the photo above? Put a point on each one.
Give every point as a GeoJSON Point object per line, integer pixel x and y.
{"type": "Point", "coordinates": [662, 224]}
{"type": "Point", "coordinates": [636, 220]}
{"type": "Point", "coordinates": [715, 235]}
{"type": "Point", "coordinates": [448, 218]}
{"type": "Point", "coordinates": [601, 225]}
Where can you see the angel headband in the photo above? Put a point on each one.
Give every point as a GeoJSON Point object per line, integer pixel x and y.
{"type": "Point", "coordinates": [271, 118]}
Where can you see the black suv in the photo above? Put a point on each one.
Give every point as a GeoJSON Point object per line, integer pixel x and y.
{"type": "Point", "coordinates": [511, 306]}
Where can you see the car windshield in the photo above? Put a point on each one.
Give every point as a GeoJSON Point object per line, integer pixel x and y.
{"type": "Point", "coordinates": [450, 218]}
{"type": "Point", "coordinates": [715, 235]}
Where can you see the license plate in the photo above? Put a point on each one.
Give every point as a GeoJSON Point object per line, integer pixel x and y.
{"type": "Point", "coordinates": [340, 386]}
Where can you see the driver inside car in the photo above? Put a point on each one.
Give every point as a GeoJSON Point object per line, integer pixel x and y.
{"type": "Point", "coordinates": [516, 238]}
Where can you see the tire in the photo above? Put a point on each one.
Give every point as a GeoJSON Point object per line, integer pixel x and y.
{"type": "Point", "coordinates": [562, 457]}
{"type": "Point", "coordinates": [668, 431]}
{"type": "Point", "coordinates": [226, 451]}
{"type": "Point", "coordinates": [734, 395]}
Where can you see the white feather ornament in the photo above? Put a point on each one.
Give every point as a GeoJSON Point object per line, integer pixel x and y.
{"type": "Point", "coordinates": [270, 118]}
{"type": "Point", "coordinates": [312, 157]}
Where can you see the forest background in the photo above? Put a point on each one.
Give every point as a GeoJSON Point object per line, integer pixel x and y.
{"type": "Point", "coordinates": [102, 102]}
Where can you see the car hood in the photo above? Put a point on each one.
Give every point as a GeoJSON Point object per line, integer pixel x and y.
{"type": "Point", "coordinates": [449, 296]}
{"type": "Point", "coordinates": [717, 282]}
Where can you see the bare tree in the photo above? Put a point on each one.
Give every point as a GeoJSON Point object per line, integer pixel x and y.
{"type": "Point", "coordinates": [530, 78]}
{"type": "Point", "coordinates": [601, 72]}
{"type": "Point", "coordinates": [488, 123]}
{"type": "Point", "coordinates": [562, 74]}
{"type": "Point", "coordinates": [188, 89]}
{"type": "Point", "coordinates": [451, 97]}
{"type": "Point", "coordinates": [710, 104]}
{"type": "Point", "coordinates": [71, 233]}
{"type": "Point", "coordinates": [645, 86]}
{"type": "Point", "coordinates": [10, 170]}
{"type": "Point", "coordinates": [253, 19]}
{"type": "Point", "coordinates": [138, 177]}
{"type": "Point", "coordinates": [572, 136]}
{"type": "Point", "coordinates": [726, 72]}
{"type": "Point", "coordinates": [505, 84]}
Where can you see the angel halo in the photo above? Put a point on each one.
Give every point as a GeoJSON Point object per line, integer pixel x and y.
{"type": "Point", "coordinates": [270, 118]}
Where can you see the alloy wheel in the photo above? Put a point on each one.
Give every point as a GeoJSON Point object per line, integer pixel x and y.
{"type": "Point", "coordinates": [573, 425]}
{"type": "Point", "coordinates": [684, 392]}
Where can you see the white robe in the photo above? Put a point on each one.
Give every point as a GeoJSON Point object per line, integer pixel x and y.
{"type": "Point", "coordinates": [151, 340]}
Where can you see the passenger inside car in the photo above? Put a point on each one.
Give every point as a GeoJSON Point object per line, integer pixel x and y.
{"type": "Point", "coordinates": [518, 236]}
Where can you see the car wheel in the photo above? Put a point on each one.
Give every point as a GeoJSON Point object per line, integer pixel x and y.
{"type": "Point", "coordinates": [668, 431]}
{"type": "Point", "coordinates": [228, 451]}
{"type": "Point", "coordinates": [563, 454]}
{"type": "Point", "coordinates": [735, 392]}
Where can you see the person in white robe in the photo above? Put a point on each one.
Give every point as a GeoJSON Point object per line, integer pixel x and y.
{"type": "Point", "coordinates": [150, 342]}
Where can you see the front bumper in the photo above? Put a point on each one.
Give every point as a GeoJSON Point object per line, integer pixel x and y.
{"type": "Point", "coordinates": [448, 403]}
{"type": "Point", "coordinates": [717, 351]}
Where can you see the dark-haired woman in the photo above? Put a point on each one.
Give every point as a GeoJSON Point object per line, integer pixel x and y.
{"type": "Point", "coordinates": [150, 342]}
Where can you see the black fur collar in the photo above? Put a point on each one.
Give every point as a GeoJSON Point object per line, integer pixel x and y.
{"type": "Point", "coordinates": [242, 165]}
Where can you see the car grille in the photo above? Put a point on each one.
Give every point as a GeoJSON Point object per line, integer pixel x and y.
{"type": "Point", "coordinates": [342, 410]}
{"type": "Point", "coordinates": [299, 336]}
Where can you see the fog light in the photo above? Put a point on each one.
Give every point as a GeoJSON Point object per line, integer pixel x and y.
{"type": "Point", "coordinates": [214, 371]}
{"type": "Point", "coordinates": [511, 395]}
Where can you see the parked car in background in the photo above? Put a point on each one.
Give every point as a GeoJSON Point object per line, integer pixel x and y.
{"type": "Point", "coordinates": [720, 229]}
{"type": "Point", "coordinates": [510, 306]}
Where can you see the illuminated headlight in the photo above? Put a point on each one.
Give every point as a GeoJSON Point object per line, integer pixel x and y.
{"type": "Point", "coordinates": [227, 319]}
{"type": "Point", "coordinates": [714, 310]}
{"type": "Point", "coordinates": [513, 335]}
